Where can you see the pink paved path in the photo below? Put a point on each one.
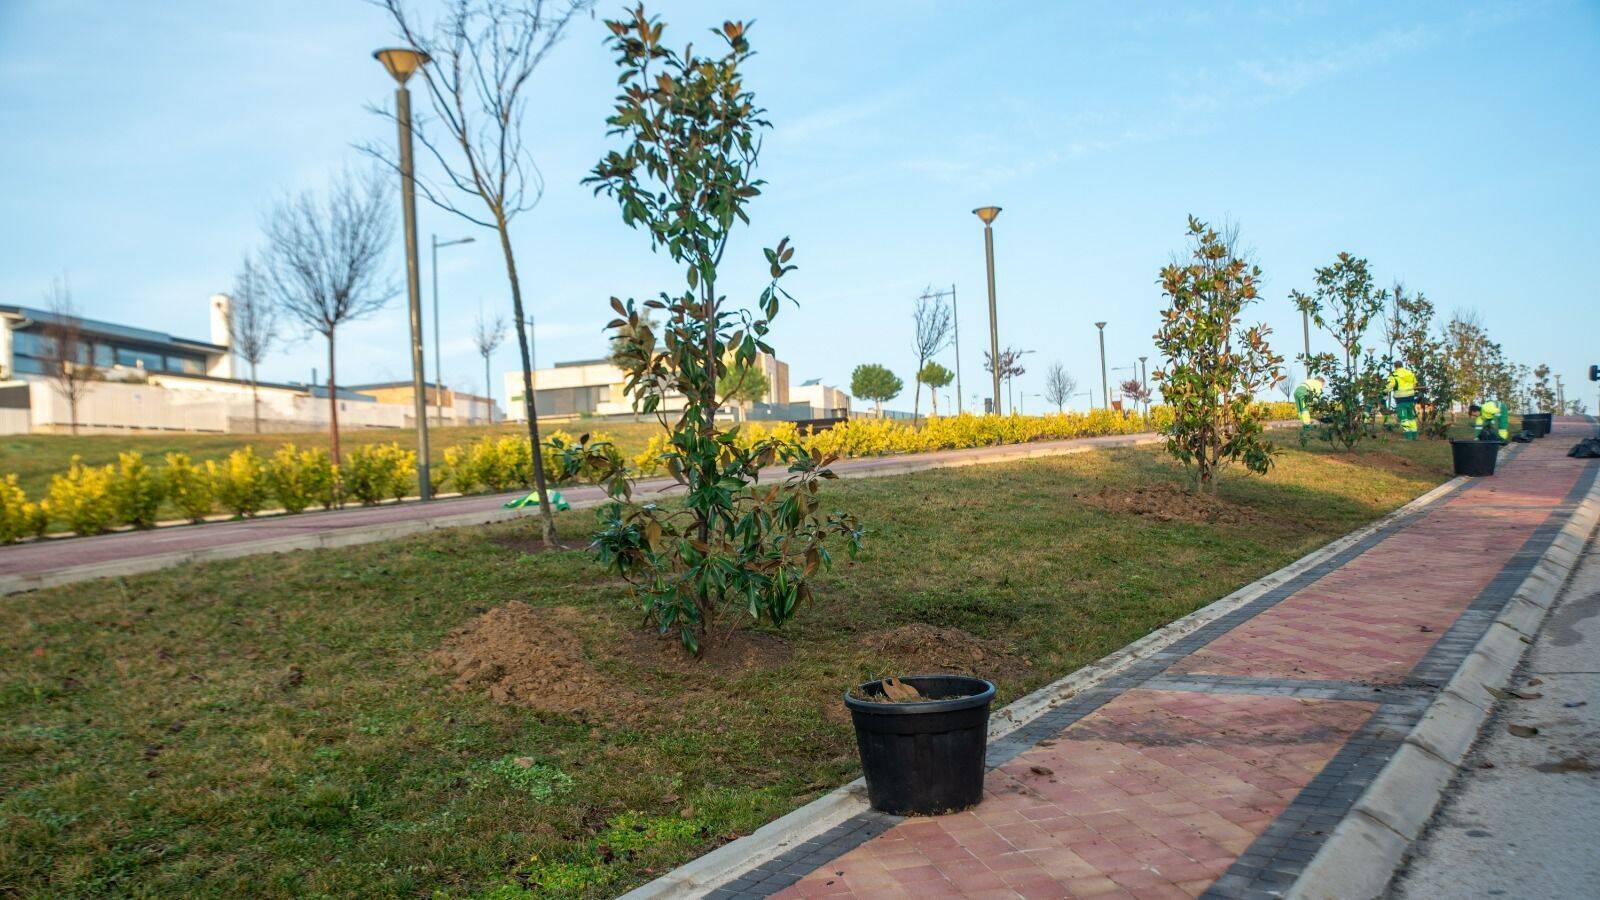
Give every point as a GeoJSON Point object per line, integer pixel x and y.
{"type": "Point", "coordinates": [1158, 793]}
{"type": "Point", "coordinates": [54, 555]}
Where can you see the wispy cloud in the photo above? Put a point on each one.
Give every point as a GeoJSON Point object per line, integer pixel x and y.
{"type": "Point", "coordinates": [1291, 74]}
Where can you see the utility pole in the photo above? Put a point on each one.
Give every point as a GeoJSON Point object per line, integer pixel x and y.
{"type": "Point", "coordinates": [1105, 383]}
{"type": "Point", "coordinates": [955, 313]}
{"type": "Point", "coordinates": [1561, 397]}
{"type": "Point", "coordinates": [438, 359]}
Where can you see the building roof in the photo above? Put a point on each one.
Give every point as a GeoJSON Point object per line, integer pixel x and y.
{"type": "Point", "coordinates": [113, 330]}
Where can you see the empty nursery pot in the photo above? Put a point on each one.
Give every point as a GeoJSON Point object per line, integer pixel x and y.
{"type": "Point", "coordinates": [1475, 458]}
{"type": "Point", "coordinates": [923, 757]}
{"type": "Point", "coordinates": [1537, 424]}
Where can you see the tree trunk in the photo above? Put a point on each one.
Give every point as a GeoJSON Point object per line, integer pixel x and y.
{"type": "Point", "coordinates": [255, 397]}
{"type": "Point", "coordinates": [488, 390]}
{"type": "Point", "coordinates": [708, 402]}
{"type": "Point", "coordinates": [333, 403]}
{"type": "Point", "coordinates": [916, 393]}
{"type": "Point", "coordinates": [933, 401]}
{"type": "Point", "coordinates": [547, 519]}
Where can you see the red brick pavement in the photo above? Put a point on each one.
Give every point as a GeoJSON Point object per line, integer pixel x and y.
{"type": "Point", "coordinates": [1153, 795]}
{"type": "Point", "coordinates": [1158, 792]}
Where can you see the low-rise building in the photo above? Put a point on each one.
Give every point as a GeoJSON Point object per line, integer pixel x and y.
{"type": "Point", "coordinates": [826, 401]}
{"type": "Point", "coordinates": [451, 406]}
{"type": "Point", "coordinates": [597, 387]}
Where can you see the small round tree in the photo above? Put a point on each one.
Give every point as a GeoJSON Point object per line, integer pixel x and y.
{"type": "Point", "coordinates": [871, 381]}
{"type": "Point", "coordinates": [935, 377]}
{"type": "Point", "coordinates": [1215, 366]}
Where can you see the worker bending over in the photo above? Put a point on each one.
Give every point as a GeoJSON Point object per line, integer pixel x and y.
{"type": "Point", "coordinates": [1403, 389]}
{"type": "Point", "coordinates": [1490, 418]}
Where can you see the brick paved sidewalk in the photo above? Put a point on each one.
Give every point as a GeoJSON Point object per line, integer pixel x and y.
{"type": "Point", "coordinates": [1218, 766]}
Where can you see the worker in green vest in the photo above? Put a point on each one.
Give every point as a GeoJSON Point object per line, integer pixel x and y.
{"type": "Point", "coordinates": [1490, 418]}
{"type": "Point", "coordinates": [1403, 392]}
{"type": "Point", "coordinates": [1304, 395]}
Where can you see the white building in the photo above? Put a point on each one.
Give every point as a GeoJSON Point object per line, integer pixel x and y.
{"type": "Point", "coordinates": [596, 387]}
{"type": "Point", "coordinates": [827, 401]}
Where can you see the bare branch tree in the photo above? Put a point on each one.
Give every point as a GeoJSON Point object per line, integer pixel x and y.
{"type": "Point", "coordinates": [932, 325]}
{"type": "Point", "coordinates": [252, 325]}
{"type": "Point", "coordinates": [483, 55]}
{"type": "Point", "coordinates": [324, 262]}
{"type": "Point", "coordinates": [68, 357]}
{"type": "Point", "coordinates": [487, 336]}
{"type": "Point", "coordinates": [1059, 386]}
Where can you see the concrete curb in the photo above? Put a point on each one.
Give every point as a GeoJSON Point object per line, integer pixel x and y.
{"type": "Point", "coordinates": [707, 872]}
{"type": "Point", "coordinates": [365, 534]}
{"type": "Point", "coordinates": [1367, 848]}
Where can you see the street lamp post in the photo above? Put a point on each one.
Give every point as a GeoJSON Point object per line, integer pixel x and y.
{"type": "Point", "coordinates": [1144, 382]}
{"type": "Point", "coordinates": [987, 215]}
{"type": "Point", "coordinates": [438, 359]}
{"type": "Point", "coordinates": [1105, 383]}
{"type": "Point", "coordinates": [1305, 326]}
{"type": "Point", "coordinates": [402, 63]}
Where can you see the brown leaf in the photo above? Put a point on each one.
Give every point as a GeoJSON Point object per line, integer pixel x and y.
{"type": "Point", "coordinates": [1522, 730]}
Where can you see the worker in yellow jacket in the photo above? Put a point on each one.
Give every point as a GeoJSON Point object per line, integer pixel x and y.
{"type": "Point", "coordinates": [1304, 395]}
{"type": "Point", "coordinates": [1491, 416]}
{"type": "Point", "coordinates": [1403, 393]}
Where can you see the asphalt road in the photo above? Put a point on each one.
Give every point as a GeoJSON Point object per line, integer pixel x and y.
{"type": "Point", "coordinates": [1523, 818]}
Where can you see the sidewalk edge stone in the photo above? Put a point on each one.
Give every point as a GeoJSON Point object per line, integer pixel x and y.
{"type": "Point", "coordinates": [1366, 849]}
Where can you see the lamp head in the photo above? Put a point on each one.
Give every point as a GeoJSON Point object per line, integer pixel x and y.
{"type": "Point", "coordinates": [987, 213]}
{"type": "Point", "coordinates": [1100, 325]}
{"type": "Point", "coordinates": [402, 62]}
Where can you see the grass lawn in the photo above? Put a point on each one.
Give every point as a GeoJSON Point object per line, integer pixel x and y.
{"type": "Point", "coordinates": [35, 457]}
{"type": "Point", "coordinates": [275, 726]}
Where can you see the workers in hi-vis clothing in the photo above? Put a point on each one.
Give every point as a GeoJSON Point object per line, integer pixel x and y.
{"type": "Point", "coordinates": [1491, 417]}
{"type": "Point", "coordinates": [1403, 393]}
{"type": "Point", "coordinates": [1304, 395]}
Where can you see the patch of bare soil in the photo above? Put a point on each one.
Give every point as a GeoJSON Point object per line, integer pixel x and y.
{"type": "Point", "coordinates": [1168, 502]}
{"type": "Point", "coordinates": [531, 543]}
{"type": "Point", "coordinates": [1390, 461]}
{"type": "Point", "coordinates": [533, 656]}
{"type": "Point", "coordinates": [725, 652]}
{"type": "Point", "coordinates": [920, 649]}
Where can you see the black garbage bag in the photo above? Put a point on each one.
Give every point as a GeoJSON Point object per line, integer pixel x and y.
{"type": "Point", "coordinates": [1522, 437]}
{"type": "Point", "coordinates": [1588, 448]}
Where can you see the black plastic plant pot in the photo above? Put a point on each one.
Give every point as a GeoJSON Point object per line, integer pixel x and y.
{"type": "Point", "coordinates": [926, 757]}
{"type": "Point", "coordinates": [1537, 424]}
{"type": "Point", "coordinates": [1475, 458]}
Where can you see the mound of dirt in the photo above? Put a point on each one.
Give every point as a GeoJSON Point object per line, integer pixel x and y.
{"type": "Point", "coordinates": [919, 649]}
{"type": "Point", "coordinates": [533, 657]}
{"type": "Point", "coordinates": [1167, 502]}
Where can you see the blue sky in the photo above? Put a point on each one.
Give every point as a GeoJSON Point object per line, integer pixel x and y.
{"type": "Point", "coordinates": [1453, 144]}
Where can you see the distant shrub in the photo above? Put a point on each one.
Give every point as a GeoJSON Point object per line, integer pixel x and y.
{"type": "Point", "coordinates": [136, 491]}
{"type": "Point", "coordinates": [301, 478]}
{"type": "Point", "coordinates": [18, 517]}
{"type": "Point", "coordinates": [188, 486]}
{"type": "Point", "coordinates": [81, 499]}
{"type": "Point", "coordinates": [240, 482]}
{"type": "Point", "coordinates": [375, 472]}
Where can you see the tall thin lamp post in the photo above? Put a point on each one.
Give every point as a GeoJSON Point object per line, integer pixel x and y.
{"type": "Point", "coordinates": [955, 313]}
{"type": "Point", "coordinates": [1305, 327]}
{"type": "Point", "coordinates": [438, 358]}
{"type": "Point", "coordinates": [402, 63]}
{"type": "Point", "coordinates": [1105, 383]}
{"type": "Point", "coordinates": [987, 214]}
{"type": "Point", "coordinates": [1144, 383]}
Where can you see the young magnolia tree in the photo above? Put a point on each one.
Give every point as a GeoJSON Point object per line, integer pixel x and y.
{"type": "Point", "coordinates": [1344, 304]}
{"type": "Point", "coordinates": [1215, 365]}
{"type": "Point", "coordinates": [1541, 394]}
{"type": "Point", "coordinates": [685, 174]}
{"type": "Point", "coordinates": [1416, 345]}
